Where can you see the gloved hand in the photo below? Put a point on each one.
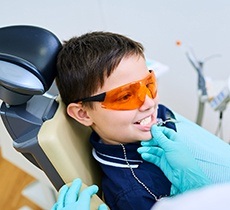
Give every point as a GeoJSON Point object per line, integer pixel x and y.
{"type": "Point", "coordinates": [167, 151]}
{"type": "Point", "coordinates": [70, 199]}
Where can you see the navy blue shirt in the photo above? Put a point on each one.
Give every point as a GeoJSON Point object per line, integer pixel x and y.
{"type": "Point", "coordinates": [122, 191]}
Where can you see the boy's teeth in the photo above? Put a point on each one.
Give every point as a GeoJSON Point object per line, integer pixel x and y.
{"type": "Point", "coordinates": [145, 121]}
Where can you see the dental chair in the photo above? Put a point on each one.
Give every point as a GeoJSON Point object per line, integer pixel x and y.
{"type": "Point", "coordinates": [33, 112]}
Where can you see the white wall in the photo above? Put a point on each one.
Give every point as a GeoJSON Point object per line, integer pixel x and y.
{"type": "Point", "coordinates": [157, 24]}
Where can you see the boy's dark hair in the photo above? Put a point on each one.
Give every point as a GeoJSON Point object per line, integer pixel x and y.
{"type": "Point", "coordinates": [84, 62]}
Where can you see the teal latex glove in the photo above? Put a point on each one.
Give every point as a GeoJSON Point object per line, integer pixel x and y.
{"type": "Point", "coordinates": [70, 199]}
{"type": "Point", "coordinates": [167, 151]}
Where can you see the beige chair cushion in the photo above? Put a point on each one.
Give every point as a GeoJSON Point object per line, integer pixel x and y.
{"type": "Point", "coordinates": [66, 144]}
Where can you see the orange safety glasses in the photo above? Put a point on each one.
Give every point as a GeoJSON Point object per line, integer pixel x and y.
{"type": "Point", "coordinates": [126, 97]}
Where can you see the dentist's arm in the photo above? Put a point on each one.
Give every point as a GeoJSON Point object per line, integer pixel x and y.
{"type": "Point", "coordinates": [70, 199]}
{"type": "Point", "coordinates": [166, 150]}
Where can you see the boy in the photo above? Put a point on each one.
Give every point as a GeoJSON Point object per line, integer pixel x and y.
{"type": "Point", "coordinates": [103, 80]}
{"type": "Point", "coordinates": [111, 66]}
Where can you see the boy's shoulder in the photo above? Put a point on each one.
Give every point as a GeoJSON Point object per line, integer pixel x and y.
{"type": "Point", "coordinates": [164, 113]}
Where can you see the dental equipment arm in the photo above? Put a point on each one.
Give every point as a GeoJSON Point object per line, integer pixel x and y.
{"type": "Point", "coordinates": [71, 198]}
{"type": "Point", "coordinates": [167, 151]}
{"type": "Point", "coordinates": [219, 102]}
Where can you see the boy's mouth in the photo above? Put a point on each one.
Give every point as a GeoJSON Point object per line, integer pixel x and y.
{"type": "Point", "coordinates": [144, 121]}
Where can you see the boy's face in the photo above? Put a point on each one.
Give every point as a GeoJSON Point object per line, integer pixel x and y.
{"type": "Point", "coordinates": [119, 126]}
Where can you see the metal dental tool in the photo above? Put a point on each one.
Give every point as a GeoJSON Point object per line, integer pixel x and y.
{"type": "Point", "coordinates": [160, 122]}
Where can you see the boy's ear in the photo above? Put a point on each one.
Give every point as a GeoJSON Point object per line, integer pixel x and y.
{"type": "Point", "coordinates": [77, 112]}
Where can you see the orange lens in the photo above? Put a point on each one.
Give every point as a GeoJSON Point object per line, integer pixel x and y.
{"type": "Point", "coordinates": [132, 95]}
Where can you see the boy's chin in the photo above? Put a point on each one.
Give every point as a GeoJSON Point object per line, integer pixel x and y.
{"type": "Point", "coordinates": [147, 137]}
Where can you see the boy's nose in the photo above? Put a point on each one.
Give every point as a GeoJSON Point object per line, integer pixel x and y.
{"type": "Point", "coordinates": [148, 103]}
